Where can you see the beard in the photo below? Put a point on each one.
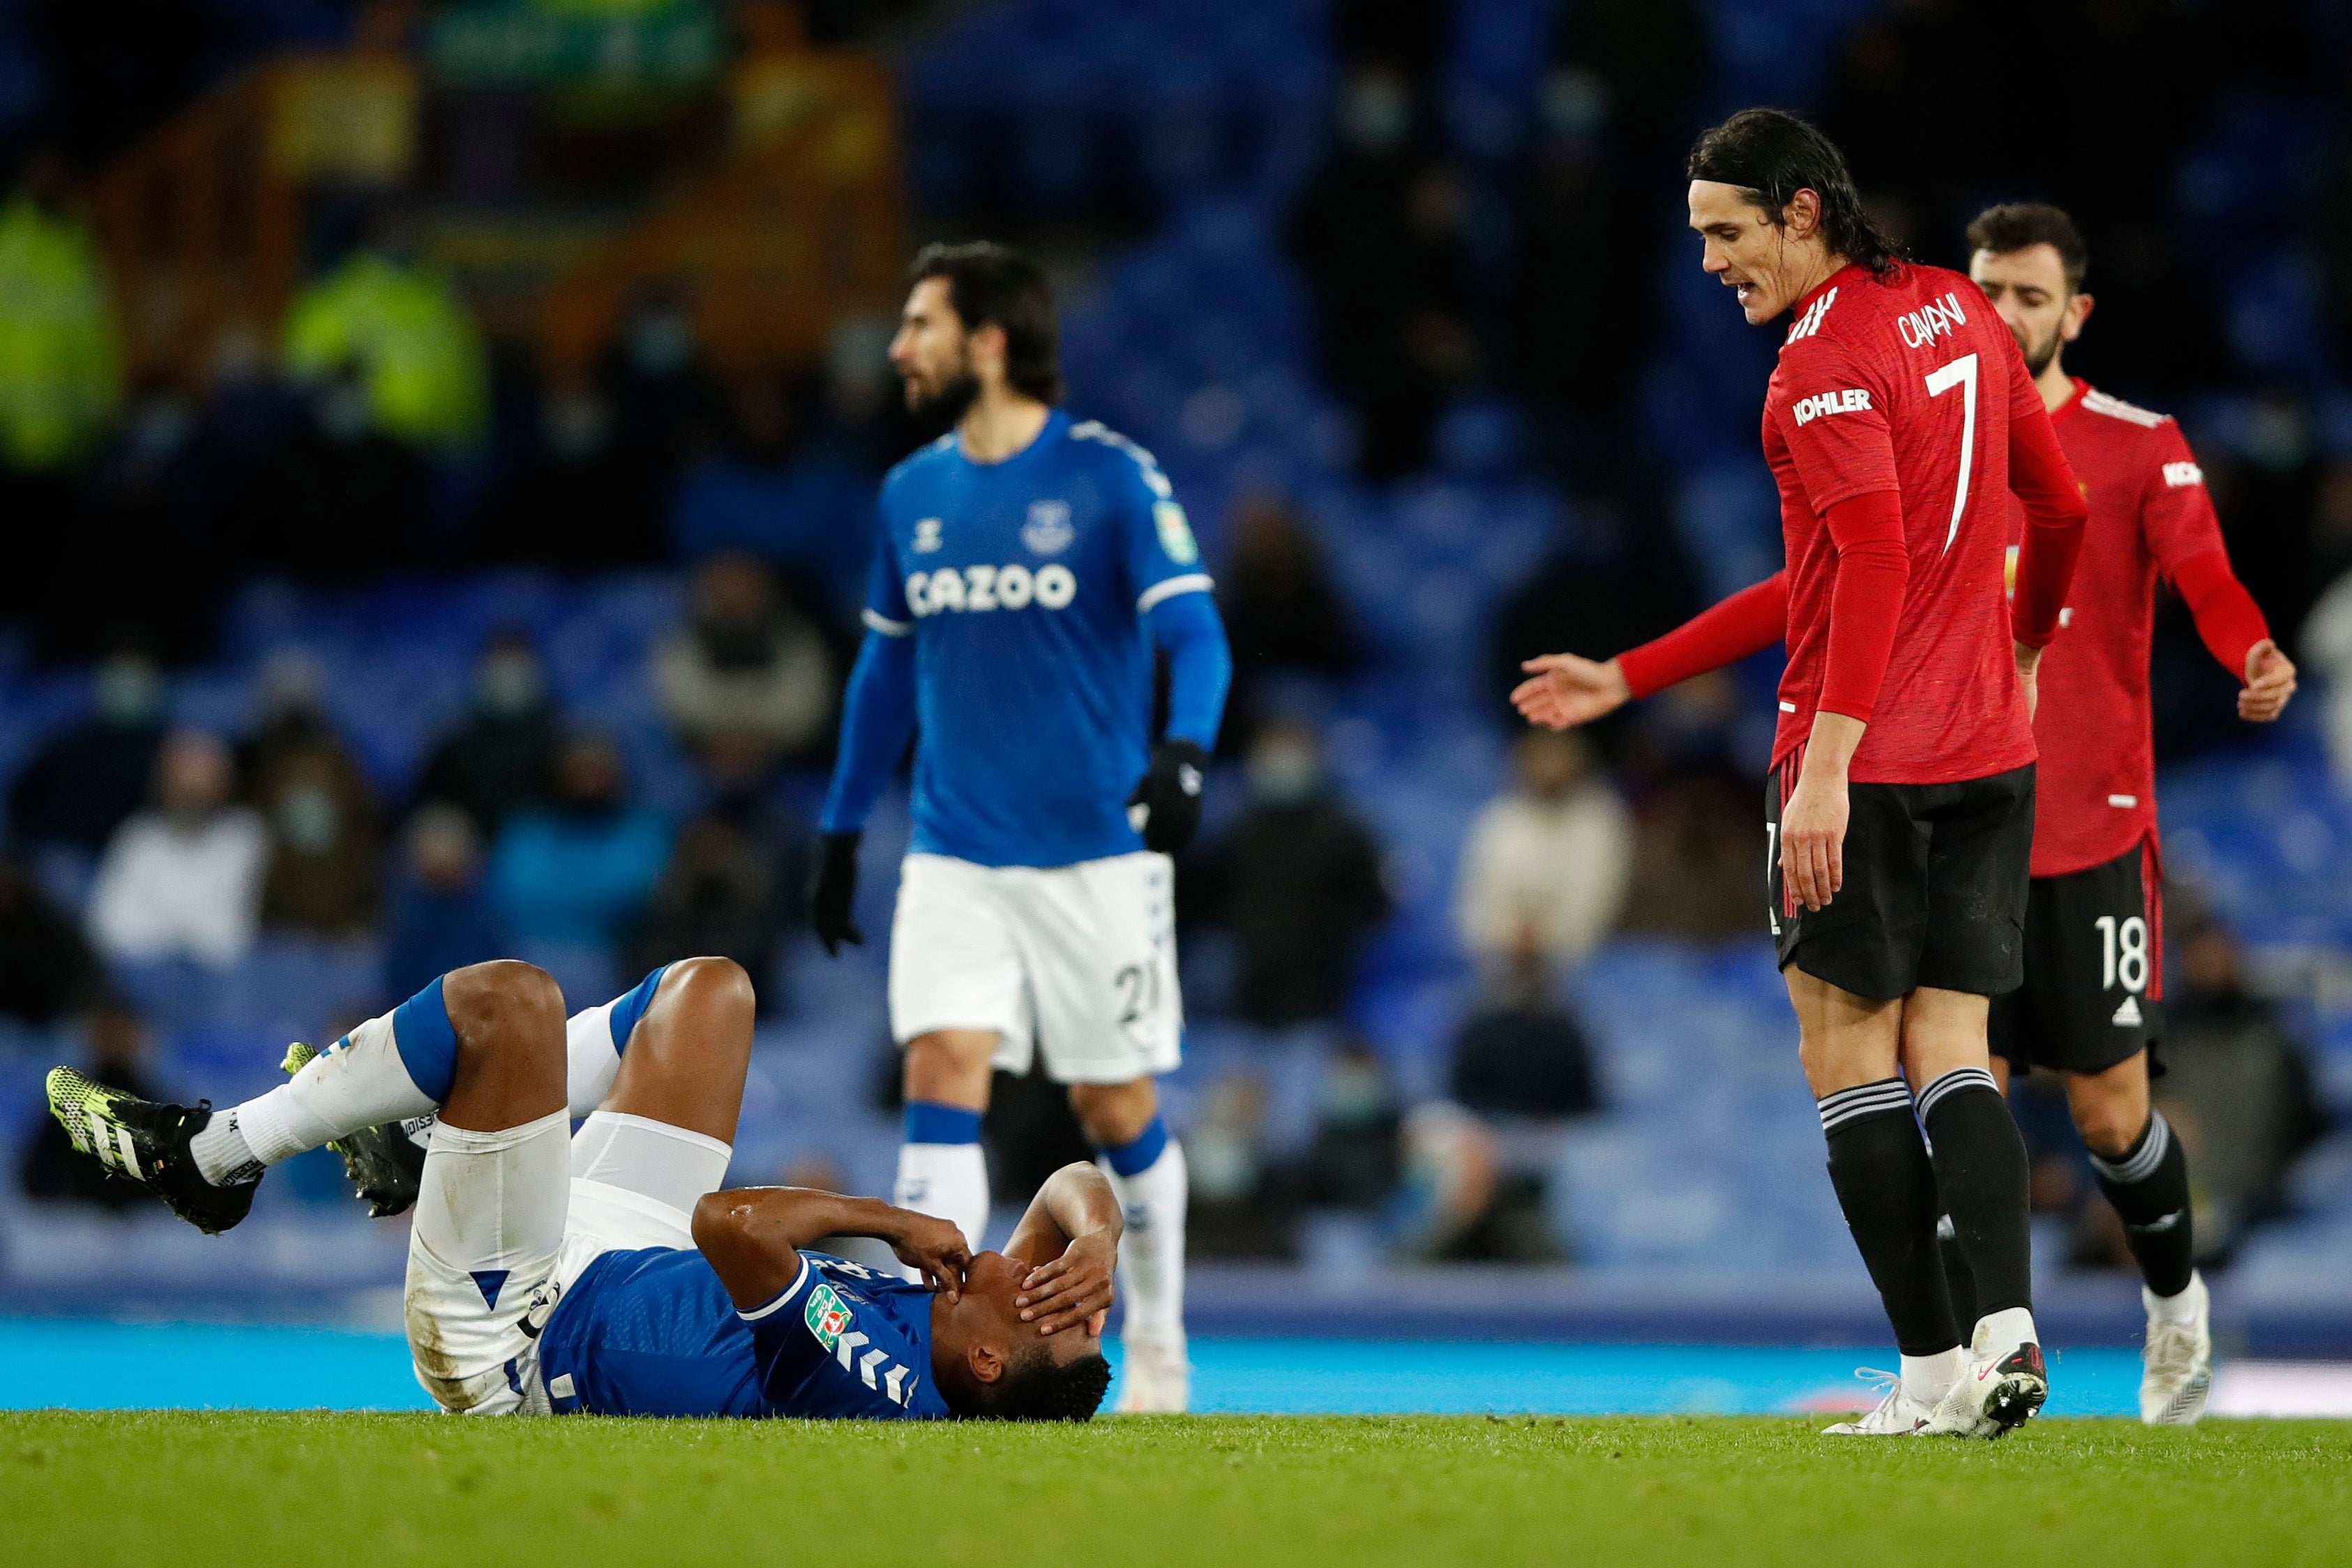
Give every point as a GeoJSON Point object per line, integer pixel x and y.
{"type": "Point", "coordinates": [2039, 356]}
{"type": "Point", "coordinates": [945, 404]}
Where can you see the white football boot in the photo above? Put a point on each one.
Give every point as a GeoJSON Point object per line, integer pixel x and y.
{"type": "Point", "coordinates": [1155, 1380]}
{"type": "Point", "coordinates": [1897, 1416]}
{"type": "Point", "coordinates": [2003, 1386]}
{"type": "Point", "coordinates": [2177, 1373]}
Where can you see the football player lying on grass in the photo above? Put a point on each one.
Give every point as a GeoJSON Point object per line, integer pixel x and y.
{"type": "Point", "coordinates": [607, 1272]}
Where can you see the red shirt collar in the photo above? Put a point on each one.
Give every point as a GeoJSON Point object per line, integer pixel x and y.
{"type": "Point", "coordinates": [2081, 390]}
{"type": "Point", "coordinates": [1845, 274]}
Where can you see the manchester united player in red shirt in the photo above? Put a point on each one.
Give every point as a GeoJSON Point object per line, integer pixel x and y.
{"type": "Point", "coordinates": [2093, 922]}
{"type": "Point", "coordinates": [1900, 814]}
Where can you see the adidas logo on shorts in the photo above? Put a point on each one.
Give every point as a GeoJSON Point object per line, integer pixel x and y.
{"type": "Point", "coordinates": [2127, 1015]}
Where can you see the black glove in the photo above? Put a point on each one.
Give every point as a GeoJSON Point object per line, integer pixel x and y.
{"type": "Point", "coordinates": [836, 891]}
{"type": "Point", "coordinates": [1166, 806]}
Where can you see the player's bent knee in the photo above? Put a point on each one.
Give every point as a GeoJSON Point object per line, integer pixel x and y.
{"type": "Point", "coordinates": [503, 1002]}
{"type": "Point", "coordinates": [1115, 1115]}
{"type": "Point", "coordinates": [951, 1067]}
{"type": "Point", "coordinates": [2110, 1128]}
{"type": "Point", "coordinates": [718, 988]}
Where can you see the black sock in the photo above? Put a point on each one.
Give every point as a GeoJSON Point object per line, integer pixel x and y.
{"type": "Point", "coordinates": [1958, 1283]}
{"type": "Point", "coordinates": [2150, 1187]}
{"type": "Point", "coordinates": [1887, 1189]}
{"type": "Point", "coordinates": [1982, 1173]}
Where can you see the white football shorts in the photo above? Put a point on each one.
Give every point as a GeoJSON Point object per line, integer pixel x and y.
{"type": "Point", "coordinates": [1079, 959]}
{"type": "Point", "coordinates": [507, 1221]}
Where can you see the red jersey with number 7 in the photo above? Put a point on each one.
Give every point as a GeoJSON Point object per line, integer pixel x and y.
{"type": "Point", "coordinates": [1907, 382]}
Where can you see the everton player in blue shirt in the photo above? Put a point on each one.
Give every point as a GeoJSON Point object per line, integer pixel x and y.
{"type": "Point", "coordinates": [551, 1274]}
{"type": "Point", "coordinates": [1026, 568]}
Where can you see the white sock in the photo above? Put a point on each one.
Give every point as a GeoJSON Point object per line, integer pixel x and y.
{"type": "Point", "coordinates": [591, 1060]}
{"type": "Point", "coordinates": [1998, 1334]}
{"type": "Point", "coordinates": [357, 1082]}
{"type": "Point", "coordinates": [1151, 1251]}
{"type": "Point", "coordinates": [2180, 1309]}
{"type": "Point", "coordinates": [950, 1180]}
{"type": "Point", "coordinates": [1927, 1378]}
{"type": "Point", "coordinates": [223, 1156]}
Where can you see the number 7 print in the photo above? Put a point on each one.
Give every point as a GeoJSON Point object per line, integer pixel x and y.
{"type": "Point", "coordinates": [1961, 372]}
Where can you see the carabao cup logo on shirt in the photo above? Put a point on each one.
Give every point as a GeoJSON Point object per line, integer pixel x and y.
{"type": "Point", "coordinates": [1049, 530]}
{"type": "Point", "coordinates": [1175, 532]}
{"type": "Point", "coordinates": [828, 1315]}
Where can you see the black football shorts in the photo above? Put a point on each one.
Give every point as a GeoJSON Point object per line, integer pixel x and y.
{"type": "Point", "coordinates": [2093, 970]}
{"type": "Point", "coordinates": [1934, 892]}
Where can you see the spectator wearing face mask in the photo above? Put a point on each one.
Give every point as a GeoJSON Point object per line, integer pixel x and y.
{"type": "Point", "coordinates": [322, 814]}
{"type": "Point", "coordinates": [1547, 860]}
{"type": "Point", "coordinates": [1297, 881]}
{"type": "Point", "coordinates": [88, 778]}
{"type": "Point", "coordinates": [441, 915]}
{"type": "Point", "coordinates": [750, 675]}
{"type": "Point", "coordinates": [182, 878]}
{"type": "Point", "coordinates": [569, 880]}
{"type": "Point", "coordinates": [501, 757]}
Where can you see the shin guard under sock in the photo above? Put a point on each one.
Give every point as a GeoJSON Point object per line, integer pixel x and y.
{"type": "Point", "coordinates": [1887, 1189]}
{"type": "Point", "coordinates": [1982, 1177]}
{"type": "Point", "coordinates": [2150, 1188]}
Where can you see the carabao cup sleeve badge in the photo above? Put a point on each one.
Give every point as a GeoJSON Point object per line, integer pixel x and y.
{"type": "Point", "coordinates": [827, 1315]}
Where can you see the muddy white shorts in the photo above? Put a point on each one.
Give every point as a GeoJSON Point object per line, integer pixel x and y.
{"type": "Point", "coordinates": [1079, 960]}
{"type": "Point", "coordinates": [507, 1221]}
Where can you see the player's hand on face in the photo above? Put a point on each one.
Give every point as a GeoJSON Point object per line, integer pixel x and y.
{"type": "Point", "coordinates": [2269, 682]}
{"type": "Point", "coordinates": [935, 1247]}
{"type": "Point", "coordinates": [1812, 840]}
{"type": "Point", "coordinates": [1564, 690]}
{"type": "Point", "coordinates": [1073, 1289]}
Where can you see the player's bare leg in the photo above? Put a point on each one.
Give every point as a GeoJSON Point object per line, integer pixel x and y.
{"type": "Point", "coordinates": [665, 1129]}
{"type": "Point", "coordinates": [1146, 1166]}
{"type": "Point", "coordinates": [1982, 1177]}
{"type": "Point", "coordinates": [1850, 1045]}
{"type": "Point", "coordinates": [940, 1168]}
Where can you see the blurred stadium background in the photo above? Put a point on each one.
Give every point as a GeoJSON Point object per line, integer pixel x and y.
{"type": "Point", "coordinates": [437, 446]}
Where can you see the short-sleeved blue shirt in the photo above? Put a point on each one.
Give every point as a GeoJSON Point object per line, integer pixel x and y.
{"type": "Point", "coordinates": [1025, 585]}
{"type": "Point", "coordinates": [651, 1333]}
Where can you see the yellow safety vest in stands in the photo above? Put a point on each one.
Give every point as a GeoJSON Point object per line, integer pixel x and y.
{"type": "Point", "coordinates": [60, 368]}
{"type": "Point", "coordinates": [411, 341]}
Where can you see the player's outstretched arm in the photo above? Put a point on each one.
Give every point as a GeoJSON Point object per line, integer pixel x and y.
{"type": "Point", "coordinates": [1073, 1225]}
{"type": "Point", "coordinates": [753, 1238]}
{"type": "Point", "coordinates": [1564, 690]}
{"type": "Point", "coordinates": [2232, 626]}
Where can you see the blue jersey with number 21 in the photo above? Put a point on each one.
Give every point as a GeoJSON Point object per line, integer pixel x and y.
{"type": "Point", "coordinates": [1025, 584]}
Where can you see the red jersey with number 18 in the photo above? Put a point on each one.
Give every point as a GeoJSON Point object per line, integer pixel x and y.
{"type": "Point", "coordinates": [1906, 383]}
{"type": "Point", "coordinates": [2095, 795]}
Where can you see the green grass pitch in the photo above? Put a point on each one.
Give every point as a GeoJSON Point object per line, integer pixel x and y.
{"type": "Point", "coordinates": [159, 1488]}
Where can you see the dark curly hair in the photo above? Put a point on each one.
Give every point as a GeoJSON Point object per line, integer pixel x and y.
{"type": "Point", "coordinates": [1771, 154]}
{"type": "Point", "coordinates": [1035, 1388]}
{"type": "Point", "coordinates": [2020, 226]}
{"type": "Point", "coordinates": [995, 283]}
